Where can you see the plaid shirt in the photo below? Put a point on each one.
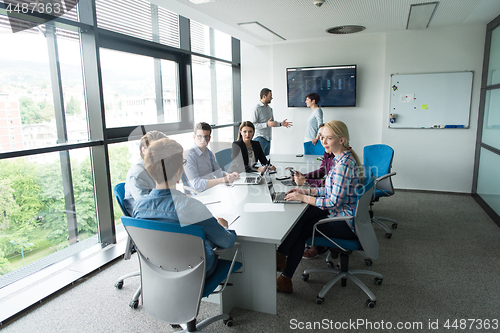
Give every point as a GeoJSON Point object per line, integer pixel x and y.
{"type": "Point", "coordinates": [339, 193]}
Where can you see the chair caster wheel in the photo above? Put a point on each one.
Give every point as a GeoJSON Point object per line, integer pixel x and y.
{"type": "Point", "coordinates": [388, 235]}
{"type": "Point", "coordinates": [305, 277]}
{"type": "Point", "coordinates": [228, 322]}
{"type": "Point", "coordinates": [175, 326]}
{"type": "Point", "coordinates": [368, 262]}
{"type": "Point", "coordinates": [134, 304]}
{"type": "Point", "coordinates": [319, 300]}
{"type": "Point", "coordinates": [394, 226]}
{"type": "Point", "coordinates": [119, 284]}
{"type": "Point", "coordinates": [329, 264]}
{"type": "Point", "coordinates": [370, 303]}
{"type": "Point", "coordinates": [378, 281]}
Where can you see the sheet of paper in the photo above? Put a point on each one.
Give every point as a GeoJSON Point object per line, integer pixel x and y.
{"type": "Point", "coordinates": [206, 200]}
{"type": "Point", "coordinates": [263, 207]}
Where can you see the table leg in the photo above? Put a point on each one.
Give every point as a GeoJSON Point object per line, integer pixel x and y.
{"type": "Point", "coordinates": [255, 288]}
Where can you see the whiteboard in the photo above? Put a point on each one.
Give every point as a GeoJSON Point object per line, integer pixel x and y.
{"type": "Point", "coordinates": [433, 100]}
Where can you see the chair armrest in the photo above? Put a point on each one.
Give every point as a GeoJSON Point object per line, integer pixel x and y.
{"type": "Point", "coordinates": [384, 177]}
{"type": "Point", "coordinates": [329, 219]}
{"type": "Point", "coordinates": [237, 246]}
{"type": "Point", "coordinates": [333, 219]}
{"type": "Point", "coordinates": [219, 250]}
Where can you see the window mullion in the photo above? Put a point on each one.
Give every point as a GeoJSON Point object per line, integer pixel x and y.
{"type": "Point", "coordinates": [62, 136]}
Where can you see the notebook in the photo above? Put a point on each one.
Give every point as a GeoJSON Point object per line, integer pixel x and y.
{"type": "Point", "coordinates": [251, 180]}
{"type": "Point", "coordinates": [277, 197]}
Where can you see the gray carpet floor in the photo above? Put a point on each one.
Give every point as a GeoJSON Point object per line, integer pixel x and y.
{"type": "Point", "coordinates": [442, 264]}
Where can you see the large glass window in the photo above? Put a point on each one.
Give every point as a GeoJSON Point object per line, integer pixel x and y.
{"type": "Point", "coordinates": [54, 195]}
{"type": "Point", "coordinates": [35, 213]}
{"type": "Point", "coordinates": [130, 90]}
{"type": "Point", "coordinates": [47, 198]}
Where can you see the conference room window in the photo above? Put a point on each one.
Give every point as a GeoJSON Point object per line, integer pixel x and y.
{"type": "Point", "coordinates": [55, 191]}
{"type": "Point", "coordinates": [47, 193]}
{"type": "Point", "coordinates": [212, 94]}
{"type": "Point", "coordinates": [139, 19]}
{"type": "Point", "coordinates": [130, 91]}
{"type": "Point", "coordinates": [209, 41]}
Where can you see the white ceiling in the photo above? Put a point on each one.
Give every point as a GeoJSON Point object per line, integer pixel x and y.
{"type": "Point", "coordinates": [300, 19]}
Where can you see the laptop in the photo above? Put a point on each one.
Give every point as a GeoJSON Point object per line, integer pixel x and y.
{"type": "Point", "coordinates": [251, 180]}
{"type": "Point", "coordinates": [277, 197]}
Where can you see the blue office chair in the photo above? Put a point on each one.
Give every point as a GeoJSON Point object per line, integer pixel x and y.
{"type": "Point", "coordinates": [119, 191]}
{"type": "Point", "coordinates": [310, 149]}
{"type": "Point", "coordinates": [173, 280]}
{"type": "Point", "coordinates": [223, 158]}
{"type": "Point", "coordinates": [366, 242]}
{"type": "Point", "coordinates": [377, 160]}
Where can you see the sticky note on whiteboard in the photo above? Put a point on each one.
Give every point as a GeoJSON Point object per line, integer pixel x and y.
{"type": "Point", "coordinates": [424, 106]}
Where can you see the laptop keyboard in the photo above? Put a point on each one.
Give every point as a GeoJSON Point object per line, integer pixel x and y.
{"type": "Point", "coordinates": [249, 180]}
{"type": "Point", "coordinates": [280, 197]}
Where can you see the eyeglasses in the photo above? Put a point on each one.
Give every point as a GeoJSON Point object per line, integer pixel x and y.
{"type": "Point", "coordinates": [184, 161]}
{"type": "Point", "coordinates": [199, 137]}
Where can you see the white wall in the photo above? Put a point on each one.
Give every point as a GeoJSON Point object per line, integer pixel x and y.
{"type": "Point", "coordinates": [439, 160]}
{"type": "Point", "coordinates": [430, 159]}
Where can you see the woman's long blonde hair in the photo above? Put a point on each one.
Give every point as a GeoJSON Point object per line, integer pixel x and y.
{"type": "Point", "coordinates": [340, 130]}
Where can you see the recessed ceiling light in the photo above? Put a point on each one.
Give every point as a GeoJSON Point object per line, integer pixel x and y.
{"type": "Point", "coordinates": [261, 31]}
{"type": "Point", "coordinates": [197, 2]}
{"type": "Point", "coordinates": [345, 29]}
{"type": "Point", "coordinates": [420, 15]}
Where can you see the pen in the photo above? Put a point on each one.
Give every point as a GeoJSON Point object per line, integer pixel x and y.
{"type": "Point", "coordinates": [213, 202]}
{"type": "Point", "coordinates": [235, 220]}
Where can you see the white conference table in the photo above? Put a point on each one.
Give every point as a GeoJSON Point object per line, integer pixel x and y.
{"type": "Point", "coordinates": [261, 227]}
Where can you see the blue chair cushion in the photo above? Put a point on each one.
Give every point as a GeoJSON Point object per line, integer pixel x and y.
{"type": "Point", "coordinates": [348, 244]}
{"type": "Point", "coordinates": [219, 275]}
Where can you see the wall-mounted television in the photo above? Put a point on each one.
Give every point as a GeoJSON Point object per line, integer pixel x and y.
{"type": "Point", "coordinates": [336, 85]}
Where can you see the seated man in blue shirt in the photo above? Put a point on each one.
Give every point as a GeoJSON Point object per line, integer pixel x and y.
{"type": "Point", "coordinates": [139, 182]}
{"type": "Point", "coordinates": [163, 161]}
{"type": "Point", "coordinates": [202, 170]}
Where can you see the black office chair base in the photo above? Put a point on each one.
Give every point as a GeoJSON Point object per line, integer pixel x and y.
{"type": "Point", "coordinates": [134, 303]}
{"type": "Point", "coordinates": [378, 221]}
{"type": "Point", "coordinates": [193, 327]}
{"type": "Point", "coordinates": [343, 274]}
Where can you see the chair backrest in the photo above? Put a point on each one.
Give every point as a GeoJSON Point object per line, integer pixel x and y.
{"type": "Point", "coordinates": [310, 149]}
{"type": "Point", "coordinates": [119, 191]}
{"type": "Point", "coordinates": [172, 258]}
{"type": "Point", "coordinates": [377, 160]}
{"type": "Point", "coordinates": [223, 158]}
{"type": "Point", "coordinates": [363, 222]}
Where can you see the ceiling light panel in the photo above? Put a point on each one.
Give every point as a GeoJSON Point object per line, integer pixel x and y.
{"type": "Point", "coordinates": [420, 15]}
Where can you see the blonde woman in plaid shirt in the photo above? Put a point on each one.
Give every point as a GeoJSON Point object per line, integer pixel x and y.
{"type": "Point", "coordinates": [337, 198]}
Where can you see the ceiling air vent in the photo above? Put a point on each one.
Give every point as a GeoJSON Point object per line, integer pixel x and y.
{"type": "Point", "coordinates": [345, 29]}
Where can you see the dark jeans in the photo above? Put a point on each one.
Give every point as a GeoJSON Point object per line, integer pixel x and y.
{"type": "Point", "coordinates": [293, 245]}
{"type": "Point", "coordinates": [266, 145]}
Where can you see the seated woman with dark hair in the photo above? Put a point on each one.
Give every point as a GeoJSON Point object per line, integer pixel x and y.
{"type": "Point", "coordinates": [163, 161]}
{"type": "Point", "coordinates": [245, 152]}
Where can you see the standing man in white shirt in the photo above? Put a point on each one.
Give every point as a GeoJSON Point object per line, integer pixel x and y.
{"type": "Point", "coordinates": [263, 119]}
